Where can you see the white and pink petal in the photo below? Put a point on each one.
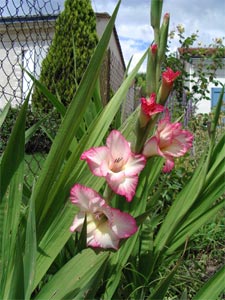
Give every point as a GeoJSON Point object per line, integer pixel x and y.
{"type": "Point", "coordinates": [135, 165]}
{"type": "Point", "coordinates": [121, 185]}
{"type": "Point", "coordinates": [123, 224]}
{"type": "Point", "coordinates": [151, 147]}
{"type": "Point", "coordinates": [118, 146]}
{"type": "Point", "coordinates": [97, 160]}
{"type": "Point", "coordinates": [169, 164]}
{"type": "Point", "coordinates": [78, 222]}
{"type": "Point", "coordinates": [104, 237]}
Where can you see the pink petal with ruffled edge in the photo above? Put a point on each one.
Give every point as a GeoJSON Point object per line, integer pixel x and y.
{"type": "Point", "coordinates": [176, 149]}
{"type": "Point", "coordinates": [168, 165]}
{"type": "Point", "coordinates": [150, 107]}
{"type": "Point", "coordinates": [186, 138]}
{"type": "Point", "coordinates": [135, 165]}
{"type": "Point", "coordinates": [78, 222]}
{"type": "Point", "coordinates": [98, 160]}
{"type": "Point", "coordinates": [104, 237]}
{"type": "Point", "coordinates": [85, 198]}
{"type": "Point", "coordinates": [118, 146]}
{"type": "Point", "coordinates": [121, 185]}
{"type": "Point", "coordinates": [123, 224]}
{"type": "Point", "coordinates": [151, 148]}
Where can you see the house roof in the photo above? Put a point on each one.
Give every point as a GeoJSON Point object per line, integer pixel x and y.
{"type": "Point", "coordinates": [34, 18]}
{"type": "Point", "coordinates": [201, 52]}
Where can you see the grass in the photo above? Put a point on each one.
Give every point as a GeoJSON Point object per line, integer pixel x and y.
{"type": "Point", "coordinates": [204, 256]}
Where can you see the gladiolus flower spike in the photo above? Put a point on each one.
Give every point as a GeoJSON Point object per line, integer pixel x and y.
{"type": "Point", "coordinates": [117, 164]}
{"type": "Point", "coordinates": [169, 141]}
{"type": "Point", "coordinates": [150, 107]}
{"type": "Point", "coordinates": [105, 225]}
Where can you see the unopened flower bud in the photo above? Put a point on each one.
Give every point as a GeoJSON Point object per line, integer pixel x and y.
{"type": "Point", "coordinates": [168, 78]}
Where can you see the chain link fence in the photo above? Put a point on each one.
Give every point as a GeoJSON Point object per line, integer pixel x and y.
{"type": "Point", "coordinates": [26, 32]}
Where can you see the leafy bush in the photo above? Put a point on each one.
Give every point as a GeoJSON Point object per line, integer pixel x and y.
{"type": "Point", "coordinates": [73, 44]}
{"type": "Point", "coordinates": [41, 139]}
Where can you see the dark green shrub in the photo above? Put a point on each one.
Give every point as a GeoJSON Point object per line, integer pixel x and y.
{"type": "Point", "coordinates": [40, 141]}
{"type": "Point", "coordinates": [7, 126]}
{"type": "Point", "coordinates": [61, 71]}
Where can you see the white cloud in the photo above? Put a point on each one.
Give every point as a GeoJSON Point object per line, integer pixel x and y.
{"type": "Point", "coordinates": [133, 21]}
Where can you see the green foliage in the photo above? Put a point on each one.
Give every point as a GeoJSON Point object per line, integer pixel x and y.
{"type": "Point", "coordinates": [209, 60]}
{"type": "Point", "coordinates": [73, 44]}
{"type": "Point", "coordinates": [140, 83]}
{"type": "Point", "coordinates": [39, 128]}
{"type": "Point", "coordinates": [39, 257]}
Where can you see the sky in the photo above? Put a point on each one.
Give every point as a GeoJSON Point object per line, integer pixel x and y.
{"type": "Point", "coordinates": [133, 22]}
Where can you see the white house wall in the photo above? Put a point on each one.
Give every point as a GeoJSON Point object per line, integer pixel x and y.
{"type": "Point", "coordinates": [204, 106]}
{"type": "Point", "coordinates": [113, 43]}
{"type": "Point", "coordinates": [20, 46]}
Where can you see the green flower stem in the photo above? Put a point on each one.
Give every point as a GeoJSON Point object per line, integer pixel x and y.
{"type": "Point", "coordinates": [142, 133]}
{"type": "Point", "coordinates": [108, 194]}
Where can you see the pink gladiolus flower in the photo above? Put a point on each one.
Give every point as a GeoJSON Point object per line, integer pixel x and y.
{"type": "Point", "coordinates": [117, 164]}
{"type": "Point", "coordinates": [149, 105]}
{"type": "Point", "coordinates": [105, 225]}
{"type": "Point", "coordinates": [169, 141]}
{"type": "Point", "coordinates": [169, 76]}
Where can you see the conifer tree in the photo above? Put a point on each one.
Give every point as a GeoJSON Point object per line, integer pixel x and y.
{"type": "Point", "coordinates": [61, 71]}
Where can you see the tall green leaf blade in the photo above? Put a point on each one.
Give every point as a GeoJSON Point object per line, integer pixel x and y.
{"type": "Point", "coordinates": [16, 289]}
{"type": "Point", "coordinates": [4, 113]}
{"type": "Point", "coordinates": [164, 284]}
{"type": "Point", "coordinates": [137, 207]}
{"type": "Point", "coordinates": [94, 137]}
{"type": "Point", "coordinates": [76, 277]}
{"type": "Point", "coordinates": [183, 202]}
{"type": "Point", "coordinates": [53, 241]}
{"type": "Point", "coordinates": [52, 98]}
{"type": "Point", "coordinates": [31, 131]}
{"type": "Point", "coordinates": [187, 231]}
{"type": "Point", "coordinates": [71, 122]}
{"type": "Point", "coordinates": [12, 159]}
{"type": "Point", "coordinates": [30, 252]}
{"type": "Point", "coordinates": [11, 182]}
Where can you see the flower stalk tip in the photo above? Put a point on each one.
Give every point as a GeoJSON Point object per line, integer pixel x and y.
{"type": "Point", "coordinates": [155, 17]}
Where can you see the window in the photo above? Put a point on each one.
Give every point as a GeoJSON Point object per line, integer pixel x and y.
{"type": "Point", "coordinates": [215, 94]}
